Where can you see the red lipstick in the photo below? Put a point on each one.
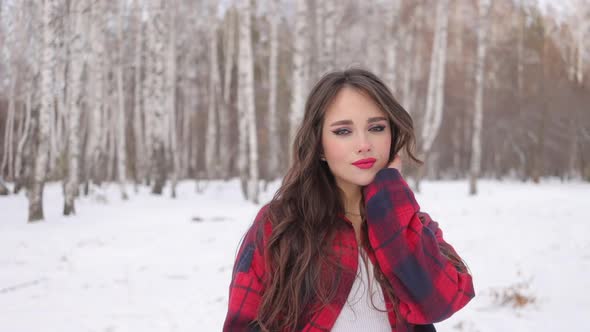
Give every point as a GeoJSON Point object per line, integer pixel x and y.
{"type": "Point", "coordinates": [365, 163]}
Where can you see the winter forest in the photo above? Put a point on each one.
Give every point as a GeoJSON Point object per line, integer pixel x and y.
{"type": "Point", "coordinates": [147, 93]}
{"type": "Point", "coordinates": [146, 134]}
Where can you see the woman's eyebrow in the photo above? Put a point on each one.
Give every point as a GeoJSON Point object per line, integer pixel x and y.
{"type": "Point", "coordinates": [349, 122]}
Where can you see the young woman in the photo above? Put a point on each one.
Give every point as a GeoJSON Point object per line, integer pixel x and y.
{"type": "Point", "coordinates": [343, 245]}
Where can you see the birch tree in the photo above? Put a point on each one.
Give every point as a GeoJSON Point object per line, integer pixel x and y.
{"type": "Point", "coordinates": [94, 148]}
{"type": "Point", "coordinates": [171, 96]}
{"type": "Point", "coordinates": [413, 54]}
{"type": "Point", "coordinates": [121, 137]}
{"type": "Point", "coordinates": [391, 23]}
{"type": "Point", "coordinates": [273, 148]}
{"type": "Point", "coordinates": [329, 34]}
{"type": "Point", "coordinates": [224, 118]}
{"type": "Point", "coordinates": [211, 150]}
{"type": "Point", "coordinates": [476, 145]}
{"type": "Point", "coordinates": [13, 36]}
{"type": "Point", "coordinates": [48, 60]}
{"type": "Point", "coordinates": [581, 31]}
{"type": "Point", "coordinates": [436, 80]}
{"type": "Point", "coordinates": [299, 78]}
{"type": "Point", "coordinates": [7, 159]}
{"type": "Point", "coordinates": [247, 114]}
{"type": "Point", "coordinates": [57, 120]}
{"type": "Point", "coordinates": [156, 84]}
{"type": "Point", "coordinates": [78, 17]}
{"type": "Point", "coordinates": [138, 119]}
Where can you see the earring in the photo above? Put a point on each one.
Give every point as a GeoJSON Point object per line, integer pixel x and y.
{"type": "Point", "coordinates": [323, 158]}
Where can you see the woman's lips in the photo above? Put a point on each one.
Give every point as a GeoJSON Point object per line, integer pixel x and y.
{"type": "Point", "coordinates": [365, 163]}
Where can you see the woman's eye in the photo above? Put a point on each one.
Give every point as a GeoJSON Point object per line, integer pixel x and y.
{"type": "Point", "coordinates": [378, 128]}
{"type": "Point", "coordinates": [342, 131]}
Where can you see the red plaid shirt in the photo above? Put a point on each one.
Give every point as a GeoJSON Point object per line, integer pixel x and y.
{"type": "Point", "coordinates": [404, 241]}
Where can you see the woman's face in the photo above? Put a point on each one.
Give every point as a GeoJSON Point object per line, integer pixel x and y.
{"type": "Point", "coordinates": [355, 128]}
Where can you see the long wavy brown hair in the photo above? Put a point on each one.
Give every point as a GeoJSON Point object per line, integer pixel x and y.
{"type": "Point", "coordinates": [304, 210]}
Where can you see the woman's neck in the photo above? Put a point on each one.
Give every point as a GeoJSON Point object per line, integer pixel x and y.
{"type": "Point", "coordinates": [352, 199]}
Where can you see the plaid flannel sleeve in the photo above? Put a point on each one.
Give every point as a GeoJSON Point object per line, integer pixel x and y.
{"type": "Point", "coordinates": [407, 247]}
{"type": "Point", "coordinates": [246, 285]}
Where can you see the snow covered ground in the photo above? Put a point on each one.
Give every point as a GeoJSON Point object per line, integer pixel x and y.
{"type": "Point", "coordinates": [161, 264]}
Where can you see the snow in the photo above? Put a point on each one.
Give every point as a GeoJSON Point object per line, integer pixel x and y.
{"type": "Point", "coordinates": [148, 264]}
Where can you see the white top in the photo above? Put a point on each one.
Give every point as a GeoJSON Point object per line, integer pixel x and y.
{"type": "Point", "coordinates": [358, 314]}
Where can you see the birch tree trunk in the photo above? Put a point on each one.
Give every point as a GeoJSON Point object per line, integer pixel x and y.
{"type": "Point", "coordinates": [77, 19]}
{"type": "Point", "coordinates": [120, 137]}
{"type": "Point", "coordinates": [171, 98]}
{"type": "Point", "coordinates": [7, 159]}
{"type": "Point", "coordinates": [585, 25]}
{"type": "Point", "coordinates": [156, 34]}
{"type": "Point", "coordinates": [435, 97]}
{"type": "Point", "coordinates": [372, 41]}
{"type": "Point", "coordinates": [391, 23]}
{"type": "Point", "coordinates": [224, 124]}
{"type": "Point", "coordinates": [110, 120]}
{"type": "Point", "coordinates": [413, 52]}
{"type": "Point", "coordinates": [59, 113]}
{"type": "Point", "coordinates": [48, 61]}
{"type": "Point", "coordinates": [246, 107]}
{"type": "Point", "coordinates": [317, 67]}
{"type": "Point", "coordinates": [520, 53]}
{"type": "Point", "coordinates": [26, 136]}
{"type": "Point", "coordinates": [538, 150]}
{"type": "Point", "coordinates": [187, 116]}
{"type": "Point", "coordinates": [273, 148]}
{"type": "Point", "coordinates": [138, 119]}
{"type": "Point", "coordinates": [329, 32]}
{"type": "Point", "coordinates": [211, 150]}
{"type": "Point", "coordinates": [13, 34]}
{"type": "Point", "coordinates": [299, 70]}
{"type": "Point", "coordinates": [573, 150]}
{"type": "Point", "coordinates": [97, 99]}
{"type": "Point", "coordinates": [476, 146]}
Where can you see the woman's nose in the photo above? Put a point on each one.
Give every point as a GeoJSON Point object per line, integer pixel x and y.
{"type": "Point", "coordinates": [364, 145]}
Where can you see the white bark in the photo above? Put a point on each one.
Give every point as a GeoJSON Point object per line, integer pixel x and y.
{"type": "Point", "coordinates": [476, 146]}
{"type": "Point", "coordinates": [318, 34]}
{"type": "Point", "coordinates": [436, 79]}
{"type": "Point", "coordinates": [413, 51]}
{"type": "Point", "coordinates": [224, 124]}
{"type": "Point", "coordinates": [573, 149]}
{"type": "Point", "coordinates": [520, 52]}
{"type": "Point", "coordinates": [580, 44]}
{"type": "Point", "coordinates": [391, 24]}
{"type": "Point", "coordinates": [56, 130]}
{"type": "Point", "coordinates": [372, 37]}
{"type": "Point", "coordinates": [329, 33]}
{"type": "Point", "coordinates": [171, 98]}
{"type": "Point", "coordinates": [273, 136]}
{"type": "Point", "coordinates": [187, 119]}
{"type": "Point", "coordinates": [23, 138]}
{"type": "Point", "coordinates": [120, 136]}
{"type": "Point", "coordinates": [156, 35]}
{"type": "Point", "coordinates": [96, 127]}
{"type": "Point", "coordinates": [246, 106]}
{"type": "Point", "coordinates": [138, 119]}
{"type": "Point", "coordinates": [77, 21]}
{"type": "Point", "coordinates": [435, 97]}
{"type": "Point", "coordinates": [299, 70]}
{"type": "Point", "coordinates": [211, 150]}
{"type": "Point", "coordinates": [7, 159]}
{"type": "Point", "coordinates": [48, 61]}
{"type": "Point", "coordinates": [110, 121]}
